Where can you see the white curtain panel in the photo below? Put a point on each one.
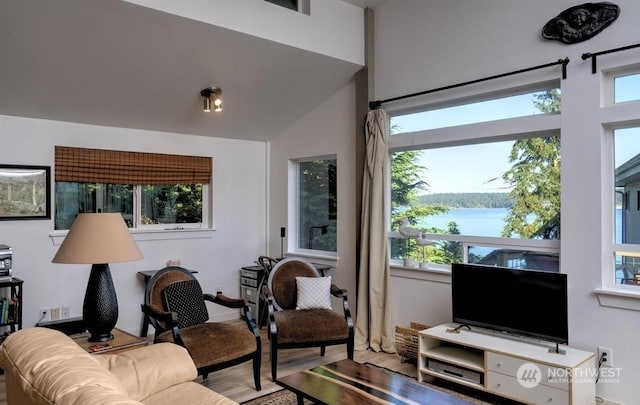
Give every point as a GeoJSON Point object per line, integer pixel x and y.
{"type": "Point", "coordinates": [373, 320]}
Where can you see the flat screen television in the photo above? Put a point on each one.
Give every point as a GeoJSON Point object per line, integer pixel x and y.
{"type": "Point", "coordinates": [523, 302]}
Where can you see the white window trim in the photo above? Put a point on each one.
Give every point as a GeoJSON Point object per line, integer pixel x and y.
{"type": "Point", "coordinates": [614, 116]}
{"type": "Point", "coordinates": [150, 234]}
{"type": "Point", "coordinates": [294, 210]}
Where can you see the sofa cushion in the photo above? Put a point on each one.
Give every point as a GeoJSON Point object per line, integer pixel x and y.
{"type": "Point", "coordinates": [150, 369]}
{"type": "Point", "coordinates": [48, 367]}
{"type": "Point", "coordinates": [190, 393]}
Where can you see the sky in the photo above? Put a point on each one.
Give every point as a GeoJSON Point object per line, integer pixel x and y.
{"type": "Point", "coordinates": [470, 168]}
{"type": "Point", "coordinates": [456, 169]}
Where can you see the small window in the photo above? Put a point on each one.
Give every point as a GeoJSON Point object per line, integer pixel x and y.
{"type": "Point", "coordinates": [149, 190]}
{"type": "Point", "coordinates": [292, 4]}
{"type": "Point", "coordinates": [626, 88]}
{"type": "Point", "coordinates": [317, 205]}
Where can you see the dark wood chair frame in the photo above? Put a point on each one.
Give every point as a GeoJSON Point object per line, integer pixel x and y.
{"type": "Point", "coordinates": [155, 318]}
{"type": "Point", "coordinates": [273, 328]}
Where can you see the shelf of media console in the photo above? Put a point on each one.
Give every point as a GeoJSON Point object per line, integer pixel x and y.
{"type": "Point", "coordinates": [464, 356]}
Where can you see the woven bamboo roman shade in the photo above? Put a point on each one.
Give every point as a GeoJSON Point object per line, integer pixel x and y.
{"type": "Point", "coordinates": [117, 167]}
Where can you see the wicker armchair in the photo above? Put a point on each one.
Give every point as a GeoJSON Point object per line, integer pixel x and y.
{"type": "Point", "coordinates": [290, 327]}
{"type": "Point", "coordinates": [175, 306]}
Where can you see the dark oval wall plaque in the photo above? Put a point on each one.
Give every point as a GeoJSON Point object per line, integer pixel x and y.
{"type": "Point", "coordinates": [579, 23]}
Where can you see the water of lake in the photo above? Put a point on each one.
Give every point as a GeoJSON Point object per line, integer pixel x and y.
{"type": "Point", "coordinates": [471, 221]}
{"type": "Point", "coordinates": [486, 221]}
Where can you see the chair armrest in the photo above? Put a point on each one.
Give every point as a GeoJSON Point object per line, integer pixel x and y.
{"type": "Point", "coordinates": [150, 369]}
{"type": "Point", "coordinates": [239, 303]}
{"type": "Point", "coordinates": [342, 293]}
{"type": "Point", "coordinates": [164, 316]}
{"type": "Point", "coordinates": [169, 318]}
{"type": "Point", "coordinates": [338, 292]}
{"type": "Point", "coordinates": [273, 328]}
{"type": "Point", "coordinates": [225, 301]}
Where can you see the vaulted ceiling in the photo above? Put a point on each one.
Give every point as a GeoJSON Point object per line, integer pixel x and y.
{"type": "Point", "coordinates": [113, 63]}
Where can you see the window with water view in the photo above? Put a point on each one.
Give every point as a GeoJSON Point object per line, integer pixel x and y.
{"type": "Point", "coordinates": [484, 201]}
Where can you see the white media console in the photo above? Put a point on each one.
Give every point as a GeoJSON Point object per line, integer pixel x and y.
{"type": "Point", "coordinates": [512, 368]}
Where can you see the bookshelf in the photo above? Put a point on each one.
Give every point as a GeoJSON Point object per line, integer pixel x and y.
{"type": "Point", "coordinates": [10, 305]}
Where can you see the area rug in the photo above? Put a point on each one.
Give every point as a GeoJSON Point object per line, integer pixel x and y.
{"type": "Point", "coordinates": [284, 397]}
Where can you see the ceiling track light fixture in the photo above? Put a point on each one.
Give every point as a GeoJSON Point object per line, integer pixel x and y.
{"type": "Point", "coordinates": [208, 94]}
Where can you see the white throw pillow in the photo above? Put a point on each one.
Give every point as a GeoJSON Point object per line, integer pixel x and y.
{"type": "Point", "coordinates": [313, 292]}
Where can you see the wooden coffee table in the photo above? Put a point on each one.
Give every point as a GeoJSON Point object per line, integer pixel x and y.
{"type": "Point", "coordinates": [348, 382]}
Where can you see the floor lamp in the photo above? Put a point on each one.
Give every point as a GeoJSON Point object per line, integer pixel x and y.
{"type": "Point", "coordinates": [99, 239]}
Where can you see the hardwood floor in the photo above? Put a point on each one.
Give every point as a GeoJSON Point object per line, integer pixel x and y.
{"type": "Point", "coordinates": [237, 382]}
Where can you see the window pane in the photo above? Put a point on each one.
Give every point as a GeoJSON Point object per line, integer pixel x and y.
{"type": "Point", "coordinates": [627, 270]}
{"type": "Point", "coordinates": [414, 252]}
{"type": "Point", "coordinates": [627, 182]}
{"type": "Point", "coordinates": [513, 258]}
{"type": "Point", "coordinates": [317, 205]}
{"type": "Point", "coordinates": [484, 111]}
{"type": "Point", "coordinates": [171, 204]}
{"type": "Point", "coordinates": [505, 189]}
{"type": "Point", "coordinates": [626, 88]}
{"type": "Point", "coordinates": [72, 198]}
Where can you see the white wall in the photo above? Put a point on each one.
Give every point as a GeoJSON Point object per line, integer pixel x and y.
{"type": "Point", "coordinates": [421, 45]}
{"type": "Point", "coordinates": [344, 40]}
{"type": "Point", "coordinates": [239, 217]}
{"type": "Point", "coordinates": [328, 130]}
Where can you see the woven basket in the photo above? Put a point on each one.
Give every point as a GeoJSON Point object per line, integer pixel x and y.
{"type": "Point", "coordinates": [407, 341]}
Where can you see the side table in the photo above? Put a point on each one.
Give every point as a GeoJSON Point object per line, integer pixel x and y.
{"type": "Point", "coordinates": [121, 342]}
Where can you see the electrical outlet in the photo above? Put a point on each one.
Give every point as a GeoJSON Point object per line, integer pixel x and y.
{"type": "Point", "coordinates": [66, 312]}
{"type": "Point", "coordinates": [55, 313]}
{"type": "Point", "coordinates": [605, 356]}
{"type": "Point", "coordinates": [44, 315]}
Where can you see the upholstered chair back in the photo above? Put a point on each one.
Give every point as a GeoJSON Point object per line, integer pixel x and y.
{"type": "Point", "coordinates": [154, 294]}
{"type": "Point", "coordinates": [282, 281]}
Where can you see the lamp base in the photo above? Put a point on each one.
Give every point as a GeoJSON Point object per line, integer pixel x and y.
{"type": "Point", "coordinates": [100, 308]}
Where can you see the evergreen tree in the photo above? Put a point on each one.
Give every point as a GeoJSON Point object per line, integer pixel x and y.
{"type": "Point", "coordinates": [406, 182]}
{"type": "Point", "coordinates": [535, 177]}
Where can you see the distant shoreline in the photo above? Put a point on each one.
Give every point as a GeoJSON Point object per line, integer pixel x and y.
{"type": "Point", "coordinates": [467, 200]}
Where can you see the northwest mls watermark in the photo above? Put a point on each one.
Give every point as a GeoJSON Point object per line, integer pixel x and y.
{"type": "Point", "coordinates": [529, 375]}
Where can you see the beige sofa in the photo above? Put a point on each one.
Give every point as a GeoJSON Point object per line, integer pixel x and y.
{"type": "Point", "coordinates": [44, 366]}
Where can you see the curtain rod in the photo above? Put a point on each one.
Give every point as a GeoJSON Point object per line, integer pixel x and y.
{"type": "Point", "coordinates": [594, 55]}
{"type": "Point", "coordinates": [378, 103]}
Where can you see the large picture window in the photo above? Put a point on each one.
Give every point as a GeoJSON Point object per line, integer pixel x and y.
{"type": "Point", "coordinates": [149, 190]}
{"type": "Point", "coordinates": [481, 198]}
{"type": "Point", "coordinates": [317, 205]}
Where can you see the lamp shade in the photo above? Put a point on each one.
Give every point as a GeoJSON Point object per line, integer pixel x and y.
{"type": "Point", "coordinates": [98, 238]}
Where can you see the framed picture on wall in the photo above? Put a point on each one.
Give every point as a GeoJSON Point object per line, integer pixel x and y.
{"type": "Point", "coordinates": [25, 192]}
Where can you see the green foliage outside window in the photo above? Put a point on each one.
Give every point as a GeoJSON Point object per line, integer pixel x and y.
{"type": "Point", "coordinates": [317, 205]}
